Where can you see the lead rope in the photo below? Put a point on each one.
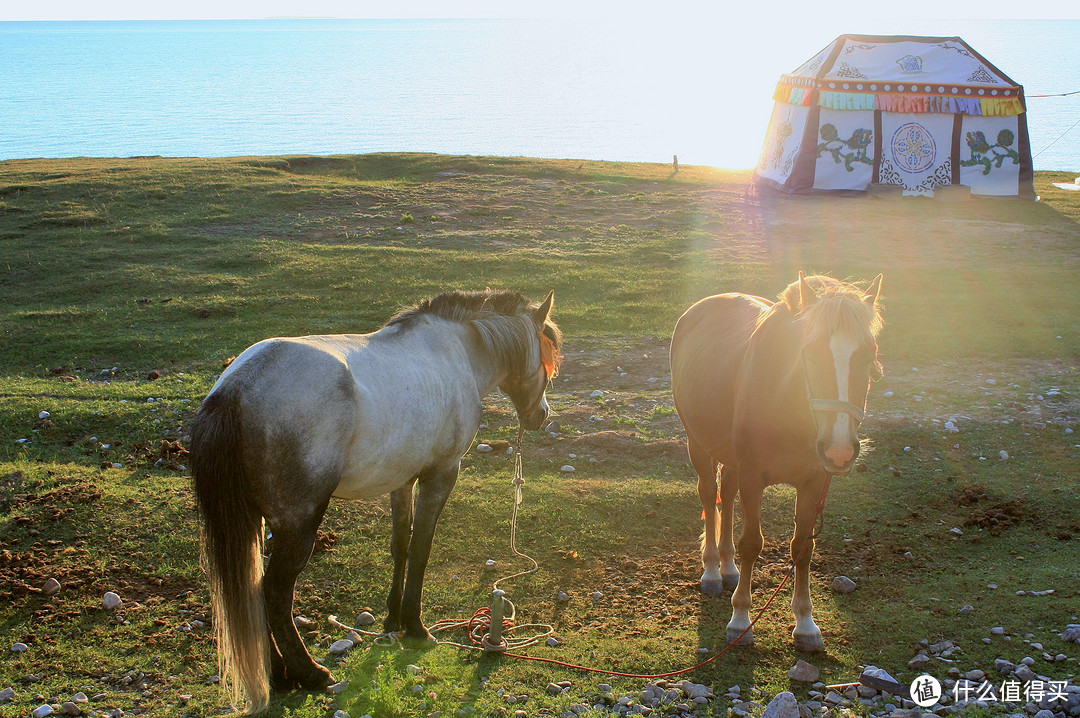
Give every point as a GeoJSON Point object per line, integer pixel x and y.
{"type": "Point", "coordinates": [491, 628]}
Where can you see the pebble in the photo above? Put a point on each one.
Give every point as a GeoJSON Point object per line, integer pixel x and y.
{"type": "Point", "coordinates": [341, 714]}
{"type": "Point", "coordinates": [596, 596]}
{"type": "Point", "coordinates": [8, 694]}
{"type": "Point", "coordinates": [843, 584]}
{"type": "Point", "coordinates": [365, 619]}
{"type": "Point", "coordinates": [956, 531]}
{"type": "Point", "coordinates": [1003, 454]}
{"type": "Point", "coordinates": [51, 587]}
{"type": "Point", "coordinates": [951, 427]}
{"type": "Point", "coordinates": [553, 642]}
{"type": "Point", "coordinates": [42, 711]}
{"type": "Point", "coordinates": [340, 648]}
{"type": "Point", "coordinates": [966, 610]}
{"type": "Point", "coordinates": [554, 689]}
{"type": "Point", "coordinates": [43, 415]}
{"type": "Point", "coordinates": [596, 394]}
{"type": "Point", "coordinates": [414, 670]}
{"type": "Point", "coordinates": [337, 688]}
{"type": "Point", "coordinates": [490, 564]}
{"type": "Point", "coordinates": [1071, 633]}
{"type": "Point", "coordinates": [19, 647]}
{"type": "Point", "coordinates": [997, 631]}
{"type": "Point", "coordinates": [563, 597]}
{"type": "Point", "coordinates": [69, 708]}
{"type": "Point", "coordinates": [567, 469]}
{"type": "Point", "coordinates": [483, 448]}
{"type": "Point", "coordinates": [111, 601]}
{"type": "Point", "coordinates": [804, 672]}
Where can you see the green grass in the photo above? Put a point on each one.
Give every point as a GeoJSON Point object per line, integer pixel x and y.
{"type": "Point", "coordinates": [139, 265]}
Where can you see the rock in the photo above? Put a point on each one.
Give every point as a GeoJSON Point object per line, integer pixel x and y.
{"type": "Point", "coordinates": [1071, 633]}
{"type": "Point", "coordinates": [834, 698]}
{"type": "Point", "coordinates": [42, 711]}
{"type": "Point", "coordinates": [337, 688]}
{"type": "Point", "coordinates": [483, 448]}
{"type": "Point", "coordinates": [340, 648]}
{"type": "Point", "coordinates": [783, 705]}
{"type": "Point", "coordinates": [975, 675]}
{"type": "Point", "coordinates": [1024, 674]}
{"type": "Point", "coordinates": [965, 610]}
{"type": "Point", "coordinates": [597, 595]}
{"type": "Point", "coordinates": [1003, 666]}
{"type": "Point", "coordinates": [43, 415]}
{"type": "Point", "coordinates": [111, 601]}
{"type": "Point", "coordinates": [51, 587]}
{"type": "Point", "coordinates": [1045, 713]}
{"type": "Point", "coordinates": [956, 531]}
{"type": "Point", "coordinates": [19, 647]}
{"type": "Point", "coordinates": [554, 689]}
{"type": "Point", "coordinates": [553, 642]}
{"type": "Point", "coordinates": [563, 597]}
{"type": "Point", "coordinates": [567, 469]}
{"type": "Point", "coordinates": [804, 672]}
{"type": "Point", "coordinates": [843, 584]}
{"type": "Point", "coordinates": [365, 618]}
{"type": "Point", "coordinates": [596, 394]}
{"type": "Point", "coordinates": [919, 662]}
{"type": "Point", "coordinates": [490, 565]}
{"type": "Point", "coordinates": [7, 695]}
{"type": "Point", "coordinates": [1003, 454]}
{"type": "Point", "coordinates": [695, 690]}
{"type": "Point", "coordinates": [414, 670]}
{"type": "Point", "coordinates": [69, 708]}
{"type": "Point", "coordinates": [997, 631]}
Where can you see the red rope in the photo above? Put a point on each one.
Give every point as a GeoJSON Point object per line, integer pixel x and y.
{"type": "Point", "coordinates": [820, 524]}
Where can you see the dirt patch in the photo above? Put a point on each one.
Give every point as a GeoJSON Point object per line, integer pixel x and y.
{"type": "Point", "coordinates": [998, 517]}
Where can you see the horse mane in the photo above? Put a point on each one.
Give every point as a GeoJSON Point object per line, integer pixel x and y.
{"type": "Point", "coordinates": [503, 318]}
{"type": "Point", "coordinates": [839, 307]}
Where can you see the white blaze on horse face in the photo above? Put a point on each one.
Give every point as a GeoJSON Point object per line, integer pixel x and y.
{"type": "Point", "coordinates": [842, 447]}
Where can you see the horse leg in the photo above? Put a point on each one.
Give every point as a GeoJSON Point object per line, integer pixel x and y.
{"type": "Point", "coordinates": [729, 489]}
{"type": "Point", "coordinates": [433, 488]}
{"type": "Point", "coordinates": [750, 543]}
{"type": "Point", "coordinates": [401, 510]}
{"type": "Point", "coordinates": [807, 636]}
{"type": "Point", "coordinates": [712, 582]}
{"type": "Point", "coordinates": [294, 540]}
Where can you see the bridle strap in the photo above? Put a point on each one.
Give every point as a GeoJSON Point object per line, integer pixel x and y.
{"type": "Point", "coordinates": [843, 407]}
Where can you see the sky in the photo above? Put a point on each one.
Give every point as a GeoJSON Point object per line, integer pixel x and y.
{"type": "Point", "coordinates": [765, 13]}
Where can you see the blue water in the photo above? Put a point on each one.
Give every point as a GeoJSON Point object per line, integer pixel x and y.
{"type": "Point", "coordinates": [557, 88]}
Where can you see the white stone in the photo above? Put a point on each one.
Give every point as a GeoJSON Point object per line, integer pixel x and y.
{"type": "Point", "coordinates": [695, 690]}
{"type": "Point", "coordinates": [1003, 454]}
{"type": "Point", "coordinates": [43, 415]}
{"type": "Point", "coordinates": [804, 672]}
{"type": "Point", "coordinates": [567, 469]}
{"type": "Point", "coordinates": [490, 564]}
{"type": "Point", "coordinates": [42, 711]}
{"type": "Point", "coordinates": [111, 601]}
{"type": "Point", "coordinates": [483, 448]}
{"type": "Point", "coordinates": [951, 427]}
{"type": "Point", "coordinates": [413, 670]}
{"type": "Point", "coordinates": [337, 688]}
{"type": "Point", "coordinates": [19, 647]}
{"type": "Point", "coordinates": [956, 531]}
{"type": "Point", "coordinates": [340, 648]}
{"type": "Point", "coordinates": [596, 394]}
{"type": "Point", "coordinates": [843, 584]}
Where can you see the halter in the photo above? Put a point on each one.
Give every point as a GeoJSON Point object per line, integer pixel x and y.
{"type": "Point", "coordinates": [836, 405]}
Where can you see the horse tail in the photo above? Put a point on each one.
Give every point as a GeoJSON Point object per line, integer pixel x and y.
{"type": "Point", "coordinates": [231, 551]}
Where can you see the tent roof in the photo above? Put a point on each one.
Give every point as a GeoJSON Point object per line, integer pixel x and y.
{"type": "Point", "coordinates": [944, 74]}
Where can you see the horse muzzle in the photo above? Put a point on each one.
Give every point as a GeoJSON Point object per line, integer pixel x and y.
{"type": "Point", "coordinates": [535, 417]}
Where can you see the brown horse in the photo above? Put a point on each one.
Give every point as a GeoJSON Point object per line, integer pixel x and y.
{"type": "Point", "coordinates": [772, 393]}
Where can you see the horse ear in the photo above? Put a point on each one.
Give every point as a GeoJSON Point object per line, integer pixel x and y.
{"type": "Point", "coordinates": [872, 294]}
{"type": "Point", "coordinates": [806, 294]}
{"type": "Point", "coordinates": [541, 314]}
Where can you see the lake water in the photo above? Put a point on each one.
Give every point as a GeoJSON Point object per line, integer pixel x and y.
{"type": "Point", "coordinates": [580, 89]}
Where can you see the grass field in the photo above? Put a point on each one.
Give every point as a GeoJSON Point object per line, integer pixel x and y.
{"type": "Point", "coordinates": [125, 284]}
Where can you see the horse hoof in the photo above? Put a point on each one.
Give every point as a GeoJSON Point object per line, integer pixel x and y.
{"type": "Point", "coordinates": [712, 588]}
{"type": "Point", "coordinates": [420, 642]}
{"type": "Point", "coordinates": [810, 643]}
{"type": "Point", "coordinates": [733, 637]}
{"type": "Point", "coordinates": [731, 582]}
{"type": "Point", "coordinates": [315, 679]}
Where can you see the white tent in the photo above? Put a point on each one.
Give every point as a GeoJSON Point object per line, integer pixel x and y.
{"type": "Point", "coordinates": [919, 112]}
